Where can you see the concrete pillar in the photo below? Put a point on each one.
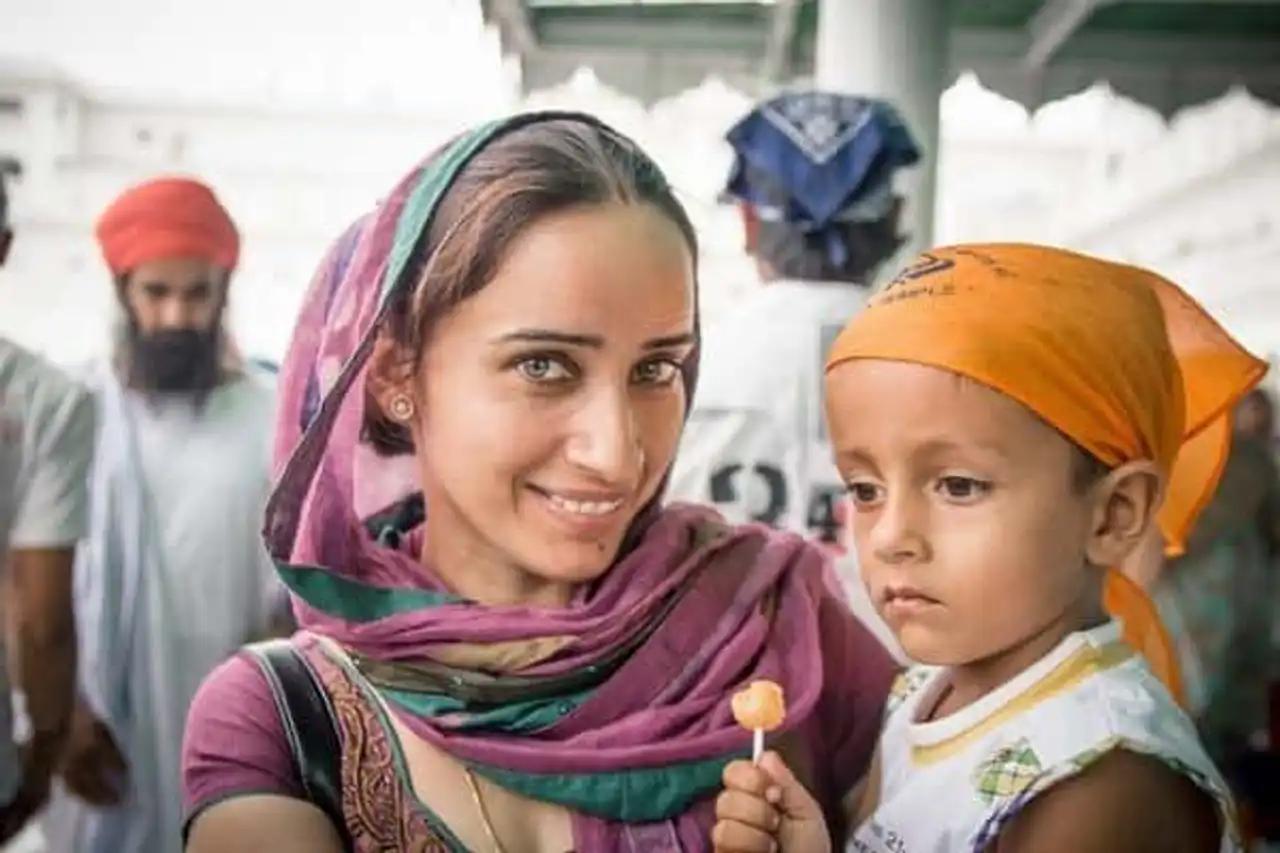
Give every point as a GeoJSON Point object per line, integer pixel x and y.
{"type": "Point", "coordinates": [896, 50]}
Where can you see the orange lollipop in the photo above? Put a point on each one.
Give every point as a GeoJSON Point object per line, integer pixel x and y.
{"type": "Point", "coordinates": [760, 707]}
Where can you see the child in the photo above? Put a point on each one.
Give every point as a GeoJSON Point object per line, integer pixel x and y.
{"type": "Point", "coordinates": [1006, 419]}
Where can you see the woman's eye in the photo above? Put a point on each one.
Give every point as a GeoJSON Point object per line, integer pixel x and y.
{"type": "Point", "coordinates": [660, 372]}
{"type": "Point", "coordinates": [963, 488]}
{"type": "Point", "coordinates": [541, 368]}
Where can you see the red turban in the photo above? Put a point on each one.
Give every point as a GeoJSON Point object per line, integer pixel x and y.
{"type": "Point", "coordinates": [167, 218]}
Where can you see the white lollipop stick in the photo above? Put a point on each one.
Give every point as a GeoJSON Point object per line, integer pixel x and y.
{"type": "Point", "coordinates": [757, 745]}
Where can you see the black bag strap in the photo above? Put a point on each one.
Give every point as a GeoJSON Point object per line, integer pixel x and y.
{"type": "Point", "coordinates": [309, 724]}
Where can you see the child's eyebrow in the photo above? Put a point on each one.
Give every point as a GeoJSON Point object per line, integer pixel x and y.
{"type": "Point", "coordinates": [854, 456]}
{"type": "Point", "coordinates": [942, 446]}
{"type": "Point", "coordinates": [926, 449]}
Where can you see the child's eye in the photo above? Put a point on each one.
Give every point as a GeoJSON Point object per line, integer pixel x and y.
{"type": "Point", "coordinates": [959, 488]}
{"type": "Point", "coordinates": [864, 494]}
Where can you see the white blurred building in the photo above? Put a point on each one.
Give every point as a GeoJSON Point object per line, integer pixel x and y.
{"type": "Point", "coordinates": [288, 176]}
{"type": "Point", "coordinates": [1195, 198]}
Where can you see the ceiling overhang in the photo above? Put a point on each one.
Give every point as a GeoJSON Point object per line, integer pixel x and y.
{"type": "Point", "coordinates": [1032, 51]}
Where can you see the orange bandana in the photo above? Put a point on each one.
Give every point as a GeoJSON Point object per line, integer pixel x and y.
{"type": "Point", "coordinates": [1116, 358]}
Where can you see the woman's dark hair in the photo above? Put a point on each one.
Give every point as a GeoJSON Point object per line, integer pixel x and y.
{"type": "Point", "coordinates": [527, 173]}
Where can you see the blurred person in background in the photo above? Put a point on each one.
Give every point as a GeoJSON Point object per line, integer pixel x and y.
{"type": "Point", "coordinates": [813, 178]}
{"type": "Point", "coordinates": [1214, 599]}
{"type": "Point", "coordinates": [264, 366]}
{"type": "Point", "coordinates": [1256, 417]}
{"type": "Point", "coordinates": [1218, 600]}
{"type": "Point", "coordinates": [175, 576]}
{"type": "Point", "coordinates": [46, 448]}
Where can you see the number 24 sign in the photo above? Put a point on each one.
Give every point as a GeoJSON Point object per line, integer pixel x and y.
{"type": "Point", "coordinates": [826, 512]}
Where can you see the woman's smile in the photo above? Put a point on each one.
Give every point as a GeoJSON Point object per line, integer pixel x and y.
{"type": "Point", "coordinates": [583, 512]}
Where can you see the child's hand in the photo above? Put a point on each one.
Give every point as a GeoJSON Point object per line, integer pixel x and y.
{"type": "Point", "coordinates": [765, 809]}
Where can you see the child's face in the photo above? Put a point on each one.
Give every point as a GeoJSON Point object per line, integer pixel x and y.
{"type": "Point", "coordinates": [972, 529]}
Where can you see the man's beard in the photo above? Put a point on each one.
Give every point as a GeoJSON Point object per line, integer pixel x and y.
{"type": "Point", "coordinates": [172, 361]}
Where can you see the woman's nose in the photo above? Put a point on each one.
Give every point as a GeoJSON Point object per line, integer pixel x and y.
{"type": "Point", "coordinates": [606, 441]}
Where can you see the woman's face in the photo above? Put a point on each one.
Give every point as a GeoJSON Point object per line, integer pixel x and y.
{"type": "Point", "coordinates": [551, 403]}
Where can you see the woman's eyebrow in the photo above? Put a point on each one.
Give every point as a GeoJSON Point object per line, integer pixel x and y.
{"type": "Point", "coordinates": [551, 336]}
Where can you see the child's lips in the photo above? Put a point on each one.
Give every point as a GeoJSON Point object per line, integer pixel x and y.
{"type": "Point", "coordinates": [906, 601]}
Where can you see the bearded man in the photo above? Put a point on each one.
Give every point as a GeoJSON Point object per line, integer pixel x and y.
{"type": "Point", "coordinates": [173, 577]}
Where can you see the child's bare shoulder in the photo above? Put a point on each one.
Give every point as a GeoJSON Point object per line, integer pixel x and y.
{"type": "Point", "coordinates": [1124, 801]}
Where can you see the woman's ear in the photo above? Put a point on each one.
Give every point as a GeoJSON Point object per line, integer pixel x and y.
{"type": "Point", "coordinates": [1126, 501]}
{"type": "Point", "coordinates": [389, 380]}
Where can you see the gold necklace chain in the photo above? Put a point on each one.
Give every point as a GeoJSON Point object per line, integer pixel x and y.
{"type": "Point", "coordinates": [474, 785]}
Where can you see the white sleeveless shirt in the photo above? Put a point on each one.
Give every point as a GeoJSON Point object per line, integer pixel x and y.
{"type": "Point", "coordinates": [950, 785]}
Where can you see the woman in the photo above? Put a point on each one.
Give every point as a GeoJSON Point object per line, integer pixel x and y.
{"type": "Point", "coordinates": [523, 651]}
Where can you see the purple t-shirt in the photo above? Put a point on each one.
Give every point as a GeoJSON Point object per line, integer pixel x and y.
{"type": "Point", "coordinates": [235, 744]}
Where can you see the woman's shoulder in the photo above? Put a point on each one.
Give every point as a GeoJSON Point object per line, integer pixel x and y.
{"type": "Point", "coordinates": [235, 743]}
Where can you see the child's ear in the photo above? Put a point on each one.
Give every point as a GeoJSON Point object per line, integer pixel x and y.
{"type": "Point", "coordinates": [1144, 563]}
{"type": "Point", "coordinates": [1126, 501]}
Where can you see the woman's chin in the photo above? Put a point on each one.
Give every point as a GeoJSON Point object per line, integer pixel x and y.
{"type": "Point", "coordinates": [572, 563]}
{"type": "Point", "coordinates": [561, 548]}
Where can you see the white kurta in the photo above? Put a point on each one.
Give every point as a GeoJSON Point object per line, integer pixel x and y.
{"type": "Point", "coordinates": [175, 578]}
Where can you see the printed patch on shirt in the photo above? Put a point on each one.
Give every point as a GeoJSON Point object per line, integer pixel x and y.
{"type": "Point", "coordinates": [904, 685]}
{"type": "Point", "coordinates": [1006, 772]}
{"type": "Point", "coordinates": [882, 840]}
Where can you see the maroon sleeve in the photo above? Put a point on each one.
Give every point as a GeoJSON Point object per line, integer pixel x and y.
{"type": "Point", "coordinates": [234, 742]}
{"type": "Point", "coordinates": [858, 674]}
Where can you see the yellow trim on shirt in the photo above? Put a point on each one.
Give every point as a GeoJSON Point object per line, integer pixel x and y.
{"type": "Point", "coordinates": [1084, 663]}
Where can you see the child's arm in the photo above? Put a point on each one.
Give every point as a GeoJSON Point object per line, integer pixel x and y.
{"type": "Point", "coordinates": [765, 809]}
{"type": "Point", "coordinates": [1125, 803]}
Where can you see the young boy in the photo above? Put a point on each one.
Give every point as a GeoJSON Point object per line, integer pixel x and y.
{"type": "Point", "coordinates": [1006, 419]}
